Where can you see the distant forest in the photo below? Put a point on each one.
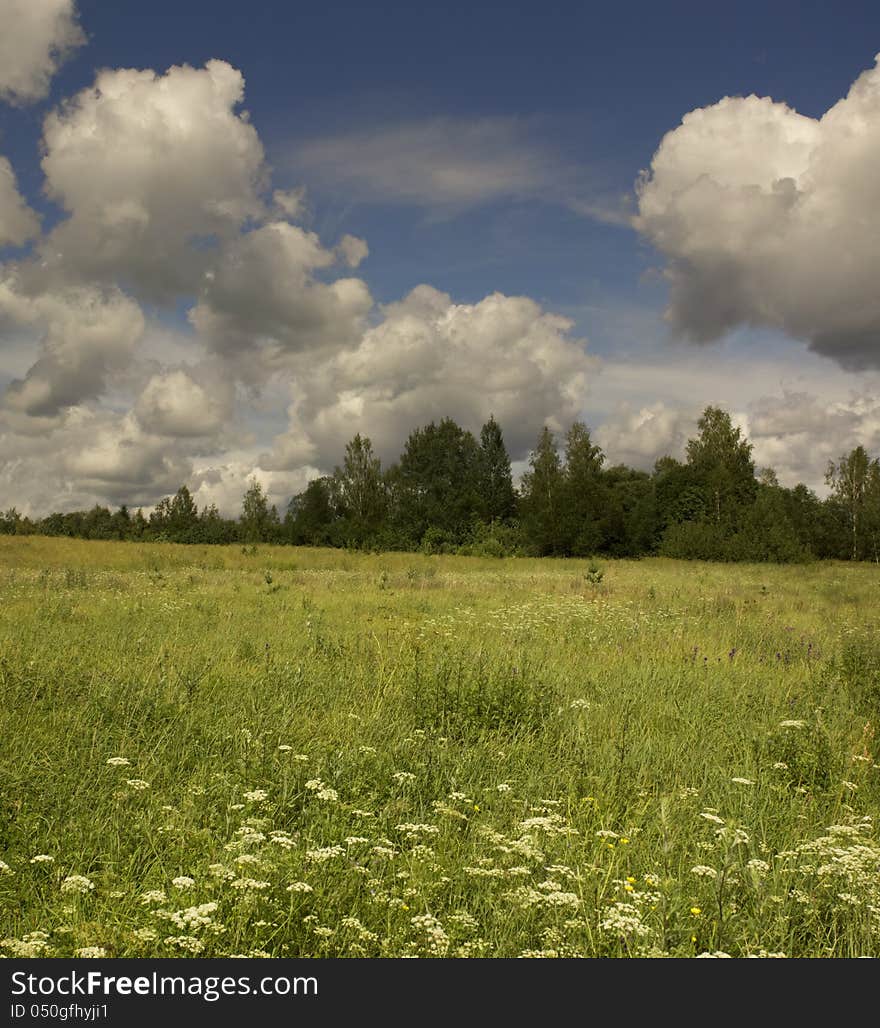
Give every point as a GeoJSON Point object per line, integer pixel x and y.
{"type": "Point", "coordinates": [452, 493]}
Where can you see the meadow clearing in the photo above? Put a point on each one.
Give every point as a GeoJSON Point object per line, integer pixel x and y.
{"type": "Point", "coordinates": [275, 751]}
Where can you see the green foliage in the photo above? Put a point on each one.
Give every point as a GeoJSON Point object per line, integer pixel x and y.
{"type": "Point", "coordinates": [448, 493]}
{"type": "Point", "coordinates": [437, 483]}
{"type": "Point", "coordinates": [800, 754]}
{"type": "Point", "coordinates": [494, 480]}
{"type": "Point", "coordinates": [464, 698]}
{"type": "Point", "coordinates": [541, 506]}
{"type": "Point", "coordinates": [858, 669]}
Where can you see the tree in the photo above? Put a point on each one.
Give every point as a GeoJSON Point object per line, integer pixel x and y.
{"type": "Point", "coordinates": [310, 514]}
{"type": "Point", "coordinates": [542, 497]}
{"type": "Point", "coordinates": [183, 516]}
{"type": "Point", "coordinates": [436, 484]}
{"type": "Point", "coordinates": [583, 503]}
{"type": "Point", "coordinates": [721, 459]}
{"type": "Point", "coordinates": [255, 518]}
{"type": "Point", "coordinates": [9, 521]}
{"type": "Point", "coordinates": [358, 490]}
{"type": "Point", "coordinates": [855, 486]}
{"type": "Point", "coordinates": [494, 478]}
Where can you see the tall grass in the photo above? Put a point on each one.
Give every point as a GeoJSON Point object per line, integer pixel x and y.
{"type": "Point", "coordinates": [299, 752]}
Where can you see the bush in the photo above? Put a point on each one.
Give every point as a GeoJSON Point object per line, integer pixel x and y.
{"type": "Point", "coordinates": [695, 540]}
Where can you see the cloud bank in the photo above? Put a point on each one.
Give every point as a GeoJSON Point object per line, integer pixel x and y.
{"type": "Point", "coordinates": [167, 204]}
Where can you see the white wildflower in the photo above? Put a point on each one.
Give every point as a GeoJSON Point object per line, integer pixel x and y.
{"type": "Point", "coordinates": [78, 884]}
{"type": "Point", "coordinates": [703, 871]}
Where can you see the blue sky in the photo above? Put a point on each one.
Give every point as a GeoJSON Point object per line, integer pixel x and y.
{"type": "Point", "coordinates": [477, 149]}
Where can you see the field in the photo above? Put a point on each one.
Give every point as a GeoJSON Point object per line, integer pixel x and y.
{"type": "Point", "coordinates": [289, 752]}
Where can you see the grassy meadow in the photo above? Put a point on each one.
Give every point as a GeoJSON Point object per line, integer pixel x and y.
{"type": "Point", "coordinates": [289, 752]}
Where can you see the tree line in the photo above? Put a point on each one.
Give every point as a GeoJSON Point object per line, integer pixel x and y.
{"type": "Point", "coordinates": [450, 492]}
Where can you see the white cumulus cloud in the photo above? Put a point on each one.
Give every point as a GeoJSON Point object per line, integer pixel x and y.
{"type": "Point", "coordinates": [153, 170]}
{"type": "Point", "coordinates": [431, 358]}
{"type": "Point", "coordinates": [768, 217]}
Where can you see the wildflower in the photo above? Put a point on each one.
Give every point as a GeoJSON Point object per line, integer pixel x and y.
{"type": "Point", "coordinates": [624, 919]}
{"type": "Point", "coordinates": [702, 871]}
{"type": "Point", "coordinates": [323, 854]}
{"type": "Point", "coordinates": [714, 818]}
{"type": "Point", "coordinates": [284, 748]}
{"type": "Point", "coordinates": [256, 795]}
{"type": "Point", "coordinates": [193, 917]}
{"type": "Point", "coordinates": [152, 896]}
{"type": "Point", "coordinates": [247, 884]}
{"type": "Point", "coordinates": [183, 882]}
{"type": "Point", "coordinates": [300, 887]}
{"type": "Point", "coordinates": [403, 776]}
{"type": "Point", "coordinates": [78, 884]}
{"type": "Point", "coordinates": [5, 869]}
{"type": "Point", "coordinates": [119, 762]}
{"type": "Point", "coordinates": [742, 781]}
{"type": "Point", "coordinates": [696, 911]}
{"type": "Point", "coordinates": [90, 952]}
{"type": "Point", "coordinates": [138, 784]}
{"type": "Point", "coordinates": [792, 724]}
{"type": "Point", "coordinates": [42, 858]}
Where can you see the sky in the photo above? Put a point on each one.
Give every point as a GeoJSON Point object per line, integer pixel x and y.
{"type": "Point", "coordinates": [232, 236]}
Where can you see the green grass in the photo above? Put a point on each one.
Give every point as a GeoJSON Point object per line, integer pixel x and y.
{"type": "Point", "coordinates": [442, 755]}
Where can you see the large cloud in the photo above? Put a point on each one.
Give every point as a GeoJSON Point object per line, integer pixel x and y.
{"type": "Point", "coordinates": [85, 332]}
{"type": "Point", "coordinates": [36, 36]}
{"type": "Point", "coordinates": [153, 170]}
{"type": "Point", "coordinates": [430, 358]}
{"type": "Point", "coordinates": [769, 217]}
{"type": "Point", "coordinates": [262, 297]}
{"type": "Point", "coordinates": [94, 456]}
